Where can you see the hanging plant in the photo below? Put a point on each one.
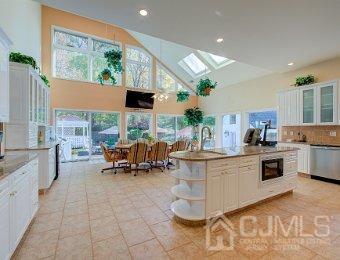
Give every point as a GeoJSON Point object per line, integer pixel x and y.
{"type": "Point", "coordinates": [204, 87]}
{"type": "Point", "coordinates": [182, 96]}
{"type": "Point", "coordinates": [193, 116]}
{"type": "Point", "coordinates": [305, 80]}
{"type": "Point", "coordinates": [106, 75]}
{"type": "Point", "coordinates": [25, 59]}
{"type": "Point", "coordinates": [114, 65]}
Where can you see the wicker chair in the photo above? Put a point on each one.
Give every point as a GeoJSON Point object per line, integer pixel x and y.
{"type": "Point", "coordinates": [113, 157]}
{"type": "Point", "coordinates": [137, 156]}
{"type": "Point", "coordinates": [158, 155]}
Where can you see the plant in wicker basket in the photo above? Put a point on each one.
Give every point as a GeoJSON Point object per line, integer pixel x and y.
{"type": "Point", "coordinates": [182, 96]}
{"type": "Point", "coordinates": [114, 65]}
{"type": "Point", "coordinates": [193, 116]}
{"type": "Point", "coordinates": [205, 86]}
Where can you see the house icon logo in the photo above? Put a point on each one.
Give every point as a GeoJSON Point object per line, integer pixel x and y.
{"type": "Point", "coordinates": [216, 230]}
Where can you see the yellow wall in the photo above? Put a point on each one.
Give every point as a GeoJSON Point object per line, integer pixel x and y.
{"type": "Point", "coordinates": [260, 93]}
{"type": "Point", "coordinates": [68, 94]}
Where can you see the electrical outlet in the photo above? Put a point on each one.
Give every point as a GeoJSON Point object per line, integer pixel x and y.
{"type": "Point", "coordinates": [332, 133]}
{"type": "Point", "coordinates": [291, 133]}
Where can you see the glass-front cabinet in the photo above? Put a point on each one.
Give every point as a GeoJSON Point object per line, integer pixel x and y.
{"type": "Point", "coordinates": [327, 103]}
{"type": "Point", "coordinates": [308, 105]}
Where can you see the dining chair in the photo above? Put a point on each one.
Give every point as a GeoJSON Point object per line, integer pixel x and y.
{"type": "Point", "coordinates": [180, 145]}
{"type": "Point", "coordinates": [158, 155]}
{"type": "Point", "coordinates": [112, 156]}
{"type": "Point", "coordinates": [137, 156]}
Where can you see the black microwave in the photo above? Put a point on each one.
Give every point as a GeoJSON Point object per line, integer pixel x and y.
{"type": "Point", "coordinates": [271, 168]}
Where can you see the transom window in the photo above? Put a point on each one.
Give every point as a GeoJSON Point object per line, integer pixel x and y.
{"type": "Point", "coordinates": [166, 81]}
{"type": "Point", "coordinates": [138, 68]}
{"type": "Point", "coordinates": [78, 56]}
{"type": "Point", "coordinates": [194, 66]}
{"type": "Point", "coordinates": [215, 60]}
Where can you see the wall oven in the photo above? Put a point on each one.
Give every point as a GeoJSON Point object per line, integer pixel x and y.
{"type": "Point", "coordinates": [271, 167]}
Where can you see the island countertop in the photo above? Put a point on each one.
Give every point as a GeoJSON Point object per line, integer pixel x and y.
{"type": "Point", "coordinates": [41, 146]}
{"type": "Point", "coordinates": [14, 160]}
{"type": "Point", "coordinates": [223, 153]}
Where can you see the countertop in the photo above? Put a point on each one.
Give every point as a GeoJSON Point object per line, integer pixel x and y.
{"type": "Point", "coordinates": [223, 153]}
{"type": "Point", "coordinates": [14, 160]}
{"type": "Point", "coordinates": [309, 143]}
{"type": "Point", "coordinates": [41, 146]}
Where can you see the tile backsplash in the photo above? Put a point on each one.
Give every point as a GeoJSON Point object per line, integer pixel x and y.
{"type": "Point", "coordinates": [314, 134]}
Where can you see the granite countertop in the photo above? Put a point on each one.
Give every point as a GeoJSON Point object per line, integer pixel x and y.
{"type": "Point", "coordinates": [14, 160]}
{"type": "Point", "coordinates": [41, 146]}
{"type": "Point", "coordinates": [223, 153]}
{"type": "Point", "coordinates": [310, 143]}
{"type": "Point", "coordinates": [295, 142]}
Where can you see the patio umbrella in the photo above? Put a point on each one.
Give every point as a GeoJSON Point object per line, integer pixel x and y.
{"type": "Point", "coordinates": [164, 131]}
{"type": "Point", "coordinates": [113, 130]}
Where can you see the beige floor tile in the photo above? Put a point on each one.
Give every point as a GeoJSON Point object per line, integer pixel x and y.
{"type": "Point", "coordinates": [112, 248]}
{"type": "Point", "coordinates": [103, 228]}
{"type": "Point", "coordinates": [148, 250]}
{"type": "Point", "coordinates": [152, 215]}
{"type": "Point", "coordinates": [137, 235]}
{"type": "Point", "coordinates": [83, 253]}
{"type": "Point", "coordinates": [189, 252]}
{"type": "Point", "coordinates": [68, 244]}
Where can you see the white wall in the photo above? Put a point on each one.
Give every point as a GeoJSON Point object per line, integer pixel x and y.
{"type": "Point", "coordinates": [21, 21]}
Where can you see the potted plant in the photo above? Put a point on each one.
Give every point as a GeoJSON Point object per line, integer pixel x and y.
{"type": "Point", "coordinates": [193, 116]}
{"type": "Point", "coordinates": [305, 80]}
{"type": "Point", "coordinates": [205, 86]}
{"type": "Point", "coordinates": [46, 81]}
{"type": "Point", "coordinates": [114, 65]}
{"type": "Point", "coordinates": [182, 96]}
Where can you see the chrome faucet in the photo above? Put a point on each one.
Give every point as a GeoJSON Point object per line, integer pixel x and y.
{"type": "Point", "coordinates": [204, 139]}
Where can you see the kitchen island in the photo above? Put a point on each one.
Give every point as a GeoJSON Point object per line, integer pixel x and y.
{"type": "Point", "coordinates": [219, 181]}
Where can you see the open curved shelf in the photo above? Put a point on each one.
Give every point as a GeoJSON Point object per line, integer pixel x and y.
{"type": "Point", "coordinates": [183, 192]}
{"type": "Point", "coordinates": [187, 176]}
{"type": "Point", "coordinates": [182, 209]}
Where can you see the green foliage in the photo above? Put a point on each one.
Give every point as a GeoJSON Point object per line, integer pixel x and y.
{"type": "Point", "coordinates": [182, 96]}
{"type": "Point", "coordinates": [305, 80]}
{"type": "Point", "coordinates": [25, 59]}
{"type": "Point", "coordinates": [22, 58]}
{"type": "Point", "coordinates": [114, 65]}
{"type": "Point", "coordinates": [134, 134]}
{"type": "Point", "coordinates": [194, 116]}
{"type": "Point", "coordinates": [204, 87]}
{"type": "Point", "coordinates": [209, 120]}
{"type": "Point", "coordinates": [44, 78]}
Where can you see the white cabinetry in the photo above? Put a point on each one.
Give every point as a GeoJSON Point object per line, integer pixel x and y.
{"type": "Point", "coordinates": [18, 205]}
{"type": "Point", "coordinates": [303, 155]}
{"type": "Point", "coordinates": [29, 107]}
{"type": "Point", "coordinates": [47, 167]}
{"type": "Point", "coordinates": [5, 43]}
{"type": "Point", "coordinates": [230, 189]}
{"type": "Point", "coordinates": [315, 104]}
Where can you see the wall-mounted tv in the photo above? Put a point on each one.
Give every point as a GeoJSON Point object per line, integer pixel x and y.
{"type": "Point", "coordinates": [136, 99]}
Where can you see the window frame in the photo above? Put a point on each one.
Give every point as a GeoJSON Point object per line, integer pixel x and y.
{"type": "Point", "coordinates": [187, 68]}
{"type": "Point", "coordinates": [207, 57]}
{"type": "Point", "coordinates": [169, 115]}
{"type": "Point", "coordinates": [245, 116]}
{"type": "Point", "coordinates": [177, 81]}
{"type": "Point", "coordinates": [90, 53]}
{"type": "Point", "coordinates": [138, 112]}
{"type": "Point", "coordinates": [215, 130]}
{"type": "Point", "coordinates": [150, 85]}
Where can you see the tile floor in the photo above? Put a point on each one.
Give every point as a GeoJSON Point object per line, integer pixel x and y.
{"type": "Point", "coordinates": [89, 215]}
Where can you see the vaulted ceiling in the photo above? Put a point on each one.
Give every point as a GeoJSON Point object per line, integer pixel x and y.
{"type": "Point", "coordinates": [265, 34]}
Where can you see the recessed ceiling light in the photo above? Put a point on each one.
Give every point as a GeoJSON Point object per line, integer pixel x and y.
{"type": "Point", "coordinates": [143, 12]}
{"type": "Point", "coordinates": [219, 40]}
{"type": "Point", "coordinates": [291, 64]}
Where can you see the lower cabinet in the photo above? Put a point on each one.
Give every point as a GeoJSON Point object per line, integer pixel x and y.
{"type": "Point", "coordinates": [18, 205]}
{"type": "Point", "coordinates": [303, 155]}
{"type": "Point", "coordinates": [248, 185]}
{"type": "Point", "coordinates": [230, 190]}
{"type": "Point", "coordinates": [215, 196]}
{"type": "Point", "coordinates": [46, 167]}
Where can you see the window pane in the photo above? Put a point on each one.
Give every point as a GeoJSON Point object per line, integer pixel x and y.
{"type": "Point", "coordinates": [138, 75]}
{"type": "Point", "coordinates": [138, 125]}
{"type": "Point", "coordinates": [98, 64]}
{"type": "Point", "coordinates": [218, 59]}
{"type": "Point", "coordinates": [183, 130]}
{"type": "Point", "coordinates": [166, 126]}
{"type": "Point", "coordinates": [137, 55]}
{"type": "Point", "coordinates": [195, 64]}
{"type": "Point", "coordinates": [70, 40]}
{"type": "Point", "coordinates": [71, 65]}
{"type": "Point", "coordinates": [105, 128]}
{"type": "Point", "coordinates": [165, 81]}
{"type": "Point", "coordinates": [101, 46]}
{"type": "Point", "coordinates": [211, 122]}
{"type": "Point", "coordinates": [258, 120]}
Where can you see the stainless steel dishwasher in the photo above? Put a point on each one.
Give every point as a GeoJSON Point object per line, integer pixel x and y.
{"type": "Point", "coordinates": [325, 163]}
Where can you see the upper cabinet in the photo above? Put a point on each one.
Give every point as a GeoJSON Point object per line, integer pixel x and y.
{"type": "Point", "coordinates": [316, 104]}
{"type": "Point", "coordinates": [5, 44]}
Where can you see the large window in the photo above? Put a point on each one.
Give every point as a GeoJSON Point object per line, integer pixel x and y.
{"type": "Point", "coordinates": [194, 66]}
{"type": "Point", "coordinates": [77, 56]}
{"type": "Point", "coordinates": [215, 60]}
{"type": "Point", "coordinates": [183, 130]}
{"type": "Point", "coordinates": [258, 119]}
{"type": "Point", "coordinates": [166, 128]}
{"type": "Point", "coordinates": [138, 68]}
{"type": "Point", "coordinates": [138, 125]}
{"type": "Point", "coordinates": [211, 122]}
{"type": "Point", "coordinates": [166, 81]}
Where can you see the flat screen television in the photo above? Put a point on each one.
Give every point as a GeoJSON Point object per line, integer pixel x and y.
{"type": "Point", "coordinates": [136, 99]}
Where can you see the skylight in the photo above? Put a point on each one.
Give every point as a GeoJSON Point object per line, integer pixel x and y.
{"type": "Point", "coordinates": [194, 66]}
{"type": "Point", "coordinates": [215, 60]}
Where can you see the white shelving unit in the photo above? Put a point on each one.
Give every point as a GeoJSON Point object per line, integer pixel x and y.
{"type": "Point", "coordinates": [189, 191]}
